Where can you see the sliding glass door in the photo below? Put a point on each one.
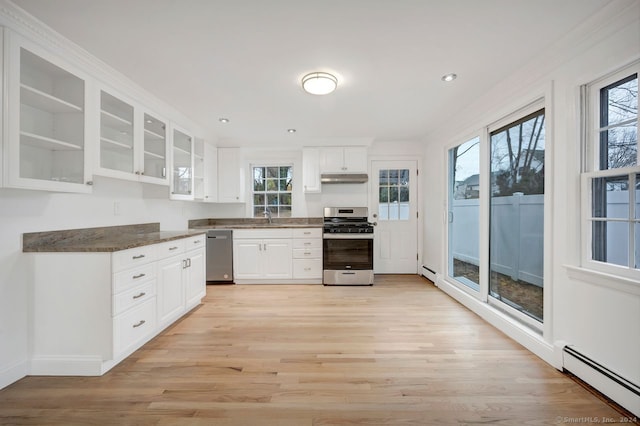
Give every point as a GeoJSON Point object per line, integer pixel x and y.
{"type": "Point", "coordinates": [464, 212]}
{"type": "Point", "coordinates": [516, 235]}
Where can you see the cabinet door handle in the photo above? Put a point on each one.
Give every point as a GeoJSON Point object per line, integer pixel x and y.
{"type": "Point", "coordinates": [307, 233]}
{"type": "Point", "coordinates": [138, 296]}
{"type": "Point", "coordinates": [307, 244]}
{"type": "Point", "coordinates": [140, 256]}
{"type": "Point", "coordinates": [139, 324]}
{"type": "Point", "coordinates": [189, 263]}
{"type": "Point", "coordinates": [135, 277]}
{"type": "Point", "coordinates": [265, 246]}
{"type": "Point", "coordinates": [306, 253]}
{"type": "Point", "coordinates": [173, 248]}
{"type": "Point", "coordinates": [184, 264]}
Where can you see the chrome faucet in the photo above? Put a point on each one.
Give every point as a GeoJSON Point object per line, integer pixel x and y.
{"type": "Point", "coordinates": [267, 214]}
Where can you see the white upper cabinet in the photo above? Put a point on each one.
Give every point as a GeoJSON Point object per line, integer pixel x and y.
{"type": "Point", "coordinates": [47, 103]}
{"type": "Point", "coordinates": [116, 135]}
{"type": "Point", "coordinates": [311, 170]}
{"type": "Point", "coordinates": [210, 173]}
{"type": "Point", "coordinates": [230, 176]}
{"type": "Point", "coordinates": [155, 150]}
{"type": "Point", "coordinates": [182, 160]}
{"type": "Point", "coordinates": [343, 159]}
{"type": "Point", "coordinates": [133, 142]}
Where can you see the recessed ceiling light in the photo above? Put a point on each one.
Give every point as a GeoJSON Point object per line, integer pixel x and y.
{"type": "Point", "coordinates": [223, 120]}
{"type": "Point", "coordinates": [319, 83]}
{"type": "Point", "coordinates": [449, 77]}
{"type": "Point", "coordinates": [291, 130]}
{"type": "Point", "coordinates": [149, 121]}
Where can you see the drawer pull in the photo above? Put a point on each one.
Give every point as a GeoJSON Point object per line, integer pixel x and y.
{"type": "Point", "coordinates": [196, 242]}
{"type": "Point", "coordinates": [137, 296]}
{"type": "Point", "coordinates": [139, 324]}
{"type": "Point", "coordinates": [307, 233]}
{"type": "Point", "coordinates": [135, 277]}
{"type": "Point", "coordinates": [307, 269]}
{"type": "Point", "coordinates": [140, 256]}
{"type": "Point", "coordinates": [173, 248]}
{"type": "Point", "coordinates": [307, 244]}
{"type": "Point", "coordinates": [306, 253]}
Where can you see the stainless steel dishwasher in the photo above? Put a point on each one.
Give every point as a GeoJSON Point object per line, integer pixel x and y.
{"type": "Point", "coordinates": [219, 256]}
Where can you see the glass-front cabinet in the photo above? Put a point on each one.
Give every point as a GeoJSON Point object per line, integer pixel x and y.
{"type": "Point", "coordinates": [116, 134]}
{"type": "Point", "coordinates": [47, 147]}
{"type": "Point", "coordinates": [133, 142]}
{"type": "Point", "coordinates": [182, 165]}
{"type": "Point", "coordinates": [155, 149]}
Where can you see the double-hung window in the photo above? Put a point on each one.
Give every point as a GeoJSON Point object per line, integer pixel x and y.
{"type": "Point", "coordinates": [611, 179]}
{"type": "Point", "coordinates": [272, 186]}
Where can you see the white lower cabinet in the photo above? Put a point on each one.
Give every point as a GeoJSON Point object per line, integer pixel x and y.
{"type": "Point", "coordinates": [92, 310]}
{"type": "Point", "coordinates": [170, 289]}
{"type": "Point", "coordinates": [262, 259]}
{"type": "Point", "coordinates": [284, 255]}
{"type": "Point", "coordinates": [181, 278]}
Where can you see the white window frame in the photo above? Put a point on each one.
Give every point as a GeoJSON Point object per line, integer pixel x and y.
{"type": "Point", "coordinates": [253, 192]}
{"type": "Point", "coordinates": [591, 170]}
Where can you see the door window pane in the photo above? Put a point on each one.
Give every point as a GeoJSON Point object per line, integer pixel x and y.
{"type": "Point", "coordinates": [464, 209]}
{"type": "Point", "coordinates": [393, 201]}
{"type": "Point", "coordinates": [516, 236]}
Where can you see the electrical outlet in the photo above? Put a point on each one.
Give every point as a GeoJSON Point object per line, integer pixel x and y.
{"type": "Point", "coordinates": [116, 208]}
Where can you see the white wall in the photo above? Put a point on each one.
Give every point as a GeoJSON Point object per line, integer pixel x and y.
{"type": "Point", "coordinates": [601, 320]}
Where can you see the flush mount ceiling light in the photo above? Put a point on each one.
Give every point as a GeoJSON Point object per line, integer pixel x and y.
{"type": "Point", "coordinates": [319, 83]}
{"type": "Point", "coordinates": [223, 120]}
{"type": "Point", "coordinates": [291, 130]}
{"type": "Point", "coordinates": [449, 77]}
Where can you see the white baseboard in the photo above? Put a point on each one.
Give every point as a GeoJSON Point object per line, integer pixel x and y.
{"type": "Point", "coordinates": [66, 366]}
{"type": "Point", "coordinates": [13, 373]}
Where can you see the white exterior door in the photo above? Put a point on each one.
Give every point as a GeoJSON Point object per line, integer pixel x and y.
{"type": "Point", "coordinates": [394, 211]}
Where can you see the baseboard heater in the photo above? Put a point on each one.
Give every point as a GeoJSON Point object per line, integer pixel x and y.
{"type": "Point", "coordinates": [611, 384]}
{"type": "Point", "coordinates": [429, 274]}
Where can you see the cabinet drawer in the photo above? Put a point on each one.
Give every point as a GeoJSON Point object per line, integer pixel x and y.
{"type": "Point", "coordinates": [307, 243]}
{"type": "Point", "coordinates": [262, 233]}
{"type": "Point", "coordinates": [136, 256]}
{"type": "Point", "coordinates": [132, 277]}
{"type": "Point", "coordinates": [134, 326]}
{"type": "Point", "coordinates": [170, 248]}
{"type": "Point", "coordinates": [307, 268]}
{"type": "Point", "coordinates": [196, 242]}
{"type": "Point", "coordinates": [307, 233]}
{"type": "Point", "coordinates": [311, 253]}
{"type": "Point", "coordinates": [133, 297]}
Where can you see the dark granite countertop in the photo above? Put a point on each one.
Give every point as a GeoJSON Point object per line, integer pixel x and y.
{"type": "Point", "coordinates": [256, 223]}
{"type": "Point", "coordinates": [104, 239]}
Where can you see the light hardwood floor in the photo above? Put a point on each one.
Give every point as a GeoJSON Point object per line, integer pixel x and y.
{"type": "Point", "coordinates": [398, 353]}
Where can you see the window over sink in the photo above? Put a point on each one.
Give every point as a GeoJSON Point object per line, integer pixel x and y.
{"type": "Point", "coordinates": [272, 187]}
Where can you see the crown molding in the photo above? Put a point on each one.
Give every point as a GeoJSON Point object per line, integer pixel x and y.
{"type": "Point", "coordinates": [19, 21]}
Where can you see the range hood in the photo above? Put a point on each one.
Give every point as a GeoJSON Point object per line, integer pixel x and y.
{"type": "Point", "coordinates": [344, 178]}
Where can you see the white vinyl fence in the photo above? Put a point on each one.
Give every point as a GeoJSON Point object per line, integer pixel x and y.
{"type": "Point", "coordinates": [517, 243]}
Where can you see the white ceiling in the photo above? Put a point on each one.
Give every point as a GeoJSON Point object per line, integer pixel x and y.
{"type": "Point", "coordinates": [243, 59]}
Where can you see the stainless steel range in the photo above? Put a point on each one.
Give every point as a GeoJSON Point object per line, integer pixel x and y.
{"type": "Point", "coordinates": [347, 246]}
